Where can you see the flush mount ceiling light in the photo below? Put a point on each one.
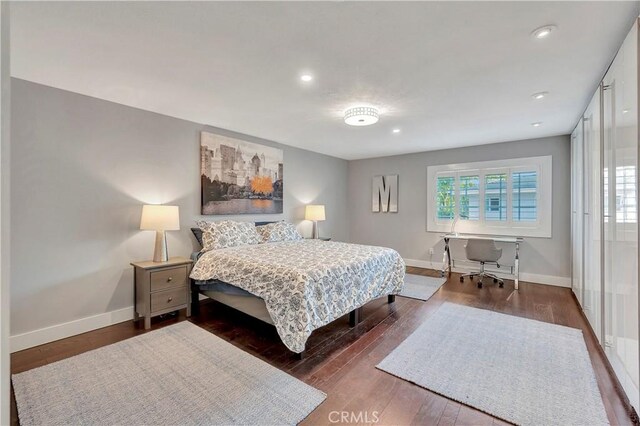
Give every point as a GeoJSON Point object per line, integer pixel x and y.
{"type": "Point", "coordinates": [537, 124]}
{"type": "Point", "coordinates": [539, 95]}
{"type": "Point", "coordinates": [543, 32]}
{"type": "Point", "coordinates": [361, 116]}
{"type": "Point", "coordinates": [396, 130]}
{"type": "Point", "coordinates": [306, 77]}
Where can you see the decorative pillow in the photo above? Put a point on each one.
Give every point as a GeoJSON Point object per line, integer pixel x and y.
{"type": "Point", "coordinates": [227, 233]}
{"type": "Point", "coordinates": [278, 231]}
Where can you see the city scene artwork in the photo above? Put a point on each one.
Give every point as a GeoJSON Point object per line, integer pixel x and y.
{"type": "Point", "coordinates": [239, 177]}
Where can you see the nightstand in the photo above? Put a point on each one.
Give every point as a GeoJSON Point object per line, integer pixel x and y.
{"type": "Point", "coordinates": [161, 287]}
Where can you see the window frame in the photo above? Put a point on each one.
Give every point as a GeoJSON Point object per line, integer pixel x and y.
{"type": "Point", "coordinates": [541, 227]}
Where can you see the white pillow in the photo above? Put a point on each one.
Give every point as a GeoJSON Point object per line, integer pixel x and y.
{"type": "Point", "coordinates": [278, 231]}
{"type": "Point", "coordinates": [227, 233]}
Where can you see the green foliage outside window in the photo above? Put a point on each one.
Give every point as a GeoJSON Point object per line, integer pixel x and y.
{"type": "Point", "coordinates": [446, 197]}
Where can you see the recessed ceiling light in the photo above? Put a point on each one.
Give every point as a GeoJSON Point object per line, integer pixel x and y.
{"type": "Point", "coordinates": [306, 77]}
{"type": "Point", "coordinates": [539, 95]}
{"type": "Point", "coordinates": [396, 130]}
{"type": "Point", "coordinates": [537, 124]}
{"type": "Point", "coordinates": [543, 32]}
{"type": "Point", "coordinates": [361, 116]}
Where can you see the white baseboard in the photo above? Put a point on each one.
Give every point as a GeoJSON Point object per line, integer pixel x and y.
{"type": "Point", "coordinates": [41, 336]}
{"type": "Point", "coordinates": [524, 276]}
{"type": "Point", "coordinates": [33, 338]}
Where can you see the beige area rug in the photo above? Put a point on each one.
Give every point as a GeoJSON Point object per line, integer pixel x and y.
{"type": "Point", "coordinates": [524, 371]}
{"type": "Point", "coordinates": [179, 374]}
{"type": "Point", "coordinates": [421, 287]}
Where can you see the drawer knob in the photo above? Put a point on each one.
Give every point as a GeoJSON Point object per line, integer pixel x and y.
{"type": "Point", "coordinates": [169, 299]}
{"type": "Point", "coordinates": [170, 279]}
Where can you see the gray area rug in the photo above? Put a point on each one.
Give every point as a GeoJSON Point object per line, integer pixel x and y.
{"type": "Point", "coordinates": [179, 374]}
{"type": "Point", "coordinates": [421, 287]}
{"type": "Point", "coordinates": [523, 371]}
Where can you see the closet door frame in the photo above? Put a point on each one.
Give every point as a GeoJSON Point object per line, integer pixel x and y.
{"type": "Point", "coordinates": [577, 212]}
{"type": "Point", "coordinates": [603, 202]}
{"type": "Point", "coordinates": [636, 403]}
{"type": "Point", "coordinates": [592, 206]}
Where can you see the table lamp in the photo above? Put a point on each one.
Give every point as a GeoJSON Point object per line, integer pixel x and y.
{"type": "Point", "coordinates": [314, 213]}
{"type": "Point", "coordinates": [160, 219]}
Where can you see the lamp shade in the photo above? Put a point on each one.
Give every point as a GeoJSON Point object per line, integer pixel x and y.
{"type": "Point", "coordinates": [160, 218]}
{"type": "Point", "coordinates": [314, 212]}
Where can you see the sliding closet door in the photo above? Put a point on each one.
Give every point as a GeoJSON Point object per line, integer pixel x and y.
{"type": "Point", "coordinates": [577, 213]}
{"type": "Point", "coordinates": [620, 129]}
{"type": "Point", "coordinates": [592, 292]}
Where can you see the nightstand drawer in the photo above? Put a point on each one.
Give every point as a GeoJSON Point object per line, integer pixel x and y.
{"type": "Point", "coordinates": [162, 300]}
{"type": "Point", "coordinates": [169, 278]}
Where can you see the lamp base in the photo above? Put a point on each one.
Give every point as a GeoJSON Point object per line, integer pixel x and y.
{"type": "Point", "coordinates": [315, 234]}
{"type": "Point", "coordinates": [160, 253]}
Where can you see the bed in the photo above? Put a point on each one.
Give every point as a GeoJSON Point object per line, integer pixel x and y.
{"type": "Point", "coordinates": [298, 286]}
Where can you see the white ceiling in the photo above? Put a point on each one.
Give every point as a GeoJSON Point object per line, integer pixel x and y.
{"type": "Point", "coordinates": [448, 74]}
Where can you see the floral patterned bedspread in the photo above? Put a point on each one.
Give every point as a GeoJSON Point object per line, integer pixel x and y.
{"type": "Point", "coordinates": [306, 284]}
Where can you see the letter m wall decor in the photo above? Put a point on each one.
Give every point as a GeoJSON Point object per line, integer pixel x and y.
{"type": "Point", "coordinates": [384, 196]}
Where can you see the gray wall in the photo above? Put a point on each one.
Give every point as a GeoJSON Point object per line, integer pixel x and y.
{"type": "Point", "coordinates": [406, 232]}
{"type": "Point", "coordinates": [81, 170]}
{"type": "Point", "coordinates": [5, 228]}
{"type": "Point", "coordinates": [83, 167]}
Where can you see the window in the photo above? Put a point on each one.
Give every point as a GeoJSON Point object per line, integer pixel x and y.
{"type": "Point", "coordinates": [525, 196]}
{"type": "Point", "coordinates": [495, 193]}
{"type": "Point", "coordinates": [470, 197]}
{"type": "Point", "coordinates": [504, 197]}
{"type": "Point", "coordinates": [446, 197]}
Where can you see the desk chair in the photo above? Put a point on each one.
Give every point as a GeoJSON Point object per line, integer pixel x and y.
{"type": "Point", "coordinates": [483, 251]}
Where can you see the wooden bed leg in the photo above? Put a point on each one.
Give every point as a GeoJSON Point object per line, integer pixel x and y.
{"type": "Point", "coordinates": [300, 356]}
{"type": "Point", "coordinates": [391, 298]}
{"type": "Point", "coordinates": [355, 317]}
{"type": "Point", "coordinates": [195, 299]}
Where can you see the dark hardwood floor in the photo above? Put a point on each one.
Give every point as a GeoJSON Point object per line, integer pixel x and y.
{"type": "Point", "coordinates": [341, 360]}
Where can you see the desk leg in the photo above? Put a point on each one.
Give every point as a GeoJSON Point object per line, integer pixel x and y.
{"type": "Point", "coordinates": [517, 264]}
{"type": "Point", "coordinates": [446, 258]}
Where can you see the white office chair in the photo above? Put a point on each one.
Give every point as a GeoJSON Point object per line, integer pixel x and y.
{"type": "Point", "coordinates": [483, 251]}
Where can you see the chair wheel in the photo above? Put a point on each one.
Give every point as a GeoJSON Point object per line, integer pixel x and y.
{"type": "Point", "coordinates": [495, 280]}
{"type": "Point", "coordinates": [501, 285]}
{"type": "Point", "coordinates": [480, 285]}
{"type": "Point", "coordinates": [461, 279]}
